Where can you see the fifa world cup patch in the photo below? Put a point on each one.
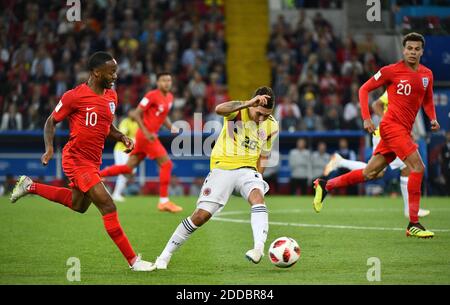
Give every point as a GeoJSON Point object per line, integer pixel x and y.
{"type": "Point", "coordinates": [425, 82]}
{"type": "Point", "coordinates": [377, 76]}
{"type": "Point", "coordinates": [112, 107]}
{"type": "Point", "coordinates": [58, 106]}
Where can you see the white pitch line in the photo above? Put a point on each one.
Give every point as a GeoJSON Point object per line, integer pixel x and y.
{"type": "Point", "coordinates": [275, 223]}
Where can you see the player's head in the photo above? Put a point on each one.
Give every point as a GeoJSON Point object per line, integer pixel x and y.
{"type": "Point", "coordinates": [262, 113]}
{"type": "Point", "coordinates": [413, 44]}
{"type": "Point", "coordinates": [164, 81]}
{"type": "Point", "coordinates": [103, 68]}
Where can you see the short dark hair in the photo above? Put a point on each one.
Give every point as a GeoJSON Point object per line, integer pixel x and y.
{"type": "Point", "coordinates": [98, 59]}
{"type": "Point", "coordinates": [266, 91]}
{"type": "Point", "coordinates": [413, 37]}
{"type": "Point", "coordinates": [163, 73]}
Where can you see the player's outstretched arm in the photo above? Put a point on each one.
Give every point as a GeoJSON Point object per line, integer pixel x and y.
{"type": "Point", "coordinates": [49, 135]}
{"type": "Point", "coordinates": [228, 108]}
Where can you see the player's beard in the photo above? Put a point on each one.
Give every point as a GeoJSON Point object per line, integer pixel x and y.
{"type": "Point", "coordinates": [106, 83]}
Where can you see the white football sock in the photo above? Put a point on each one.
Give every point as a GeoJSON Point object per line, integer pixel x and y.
{"type": "Point", "coordinates": [163, 200]}
{"type": "Point", "coordinates": [121, 183]}
{"type": "Point", "coordinates": [260, 225]}
{"type": "Point", "coordinates": [404, 190]}
{"type": "Point", "coordinates": [181, 234]}
{"type": "Point", "coordinates": [351, 165]}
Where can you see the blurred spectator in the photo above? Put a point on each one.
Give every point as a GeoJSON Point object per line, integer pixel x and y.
{"type": "Point", "coordinates": [175, 187]}
{"type": "Point", "coordinates": [311, 121]}
{"type": "Point", "coordinates": [196, 186]}
{"type": "Point", "coordinates": [133, 188]}
{"type": "Point", "coordinates": [348, 154]}
{"type": "Point", "coordinates": [288, 115]}
{"type": "Point", "coordinates": [11, 120]}
{"type": "Point", "coordinates": [351, 116]}
{"type": "Point", "coordinates": [300, 166]}
{"type": "Point", "coordinates": [332, 120]}
{"type": "Point", "coordinates": [319, 159]}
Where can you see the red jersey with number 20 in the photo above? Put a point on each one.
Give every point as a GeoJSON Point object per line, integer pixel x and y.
{"type": "Point", "coordinates": [407, 91]}
{"type": "Point", "coordinates": [155, 108]}
{"type": "Point", "coordinates": [90, 117]}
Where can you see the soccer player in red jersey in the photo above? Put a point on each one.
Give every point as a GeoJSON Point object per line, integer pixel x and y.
{"type": "Point", "coordinates": [151, 113]}
{"type": "Point", "coordinates": [90, 110]}
{"type": "Point", "coordinates": [409, 85]}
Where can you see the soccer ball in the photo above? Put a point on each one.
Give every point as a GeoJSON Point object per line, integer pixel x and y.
{"type": "Point", "coordinates": [284, 252]}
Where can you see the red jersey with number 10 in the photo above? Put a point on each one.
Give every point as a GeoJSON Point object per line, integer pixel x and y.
{"type": "Point", "coordinates": [407, 91]}
{"type": "Point", "coordinates": [156, 107]}
{"type": "Point", "coordinates": [90, 117]}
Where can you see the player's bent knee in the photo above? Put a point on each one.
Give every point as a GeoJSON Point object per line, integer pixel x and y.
{"type": "Point", "coordinates": [256, 196]}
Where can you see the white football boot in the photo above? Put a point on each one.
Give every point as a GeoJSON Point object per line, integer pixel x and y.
{"type": "Point", "coordinates": [118, 198]}
{"type": "Point", "coordinates": [161, 264]}
{"type": "Point", "coordinates": [254, 255]}
{"type": "Point", "coordinates": [21, 188]}
{"type": "Point", "coordinates": [141, 265]}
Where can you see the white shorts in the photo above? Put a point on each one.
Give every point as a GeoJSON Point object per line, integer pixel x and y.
{"type": "Point", "coordinates": [397, 163]}
{"type": "Point", "coordinates": [220, 184]}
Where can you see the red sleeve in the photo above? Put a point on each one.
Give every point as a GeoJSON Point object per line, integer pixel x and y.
{"type": "Point", "coordinates": [146, 101]}
{"type": "Point", "coordinates": [381, 78]}
{"type": "Point", "coordinates": [428, 104]}
{"type": "Point", "coordinates": [64, 107]}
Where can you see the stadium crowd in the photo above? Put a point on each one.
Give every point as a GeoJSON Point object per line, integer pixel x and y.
{"type": "Point", "coordinates": [42, 54]}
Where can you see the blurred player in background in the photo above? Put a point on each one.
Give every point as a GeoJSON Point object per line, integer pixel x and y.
{"type": "Point", "coordinates": [379, 107]}
{"type": "Point", "coordinates": [237, 163]}
{"type": "Point", "coordinates": [90, 110]}
{"type": "Point", "coordinates": [409, 85]}
{"type": "Point", "coordinates": [128, 126]}
{"type": "Point", "coordinates": [151, 113]}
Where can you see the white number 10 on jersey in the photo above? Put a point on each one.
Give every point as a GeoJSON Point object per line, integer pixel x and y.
{"type": "Point", "coordinates": [91, 118]}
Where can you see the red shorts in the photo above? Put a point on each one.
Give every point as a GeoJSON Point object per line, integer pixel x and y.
{"type": "Point", "coordinates": [395, 142]}
{"type": "Point", "coordinates": [144, 147]}
{"type": "Point", "coordinates": [82, 176]}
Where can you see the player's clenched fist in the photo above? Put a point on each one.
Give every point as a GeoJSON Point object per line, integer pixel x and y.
{"type": "Point", "coordinates": [128, 143]}
{"type": "Point", "coordinates": [435, 125]}
{"type": "Point", "coordinates": [47, 156]}
{"type": "Point", "coordinates": [369, 126]}
{"type": "Point", "coordinates": [259, 100]}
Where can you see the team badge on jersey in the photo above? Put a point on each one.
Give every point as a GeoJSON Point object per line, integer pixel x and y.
{"type": "Point", "coordinates": [262, 134]}
{"type": "Point", "coordinates": [112, 107]}
{"type": "Point", "coordinates": [206, 191]}
{"type": "Point", "coordinates": [425, 82]}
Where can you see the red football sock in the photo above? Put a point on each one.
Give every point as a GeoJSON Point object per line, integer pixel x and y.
{"type": "Point", "coordinates": [351, 178]}
{"type": "Point", "coordinates": [57, 194]}
{"type": "Point", "coordinates": [414, 187]}
{"type": "Point", "coordinates": [116, 233]}
{"type": "Point", "coordinates": [115, 170]}
{"type": "Point", "coordinates": [164, 178]}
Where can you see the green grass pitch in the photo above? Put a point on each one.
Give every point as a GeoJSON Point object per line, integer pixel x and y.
{"type": "Point", "coordinates": [37, 238]}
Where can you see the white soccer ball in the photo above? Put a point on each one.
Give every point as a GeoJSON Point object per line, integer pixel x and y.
{"type": "Point", "coordinates": [284, 252]}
